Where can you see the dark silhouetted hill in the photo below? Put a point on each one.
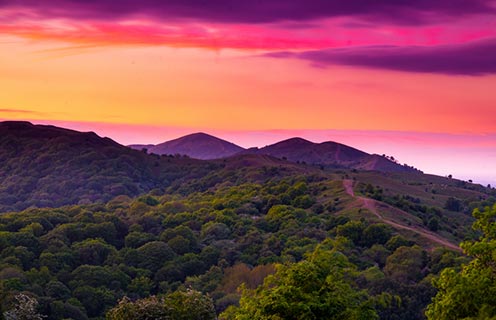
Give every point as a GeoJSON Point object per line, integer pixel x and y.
{"type": "Point", "coordinates": [330, 154]}
{"type": "Point", "coordinates": [196, 145]}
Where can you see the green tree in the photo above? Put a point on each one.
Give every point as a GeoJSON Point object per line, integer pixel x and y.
{"type": "Point", "coordinates": [136, 239]}
{"type": "Point", "coordinates": [92, 251]}
{"type": "Point", "coordinates": [406, 264]}
{"type": "Point", "coordinates": [94, 300]}
{"type": "Point", "coordinates": [319, 287]}
{"type": "Point", "coordinates": [57, 290]}
{"type": "Point", "coordinates": [433, 223]}
{"type": "Point", "coordinates": [378, 233]}
{"type": "Point", "coordinates": [140, 287]}
{"type": "Point", "coordinates": [153, 255]}
{"type": "Point", "coordinates": [397, 241]}
{"type": "Point", "coordinates": [471, 292]}
{"type": "Point", "coordinates": [212, 231]}
{"type": "Point", "coordinates": [453, 204]}
{"type": "Point", "coordinates": [352, 230]}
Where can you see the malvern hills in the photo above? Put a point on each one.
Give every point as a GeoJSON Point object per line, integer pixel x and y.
{"type": "Point", "coordinates": [331, 154]}
{"type": "Point", "coordinates": [197, 145]}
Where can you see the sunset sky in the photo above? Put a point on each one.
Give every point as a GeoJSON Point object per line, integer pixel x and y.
{"type": "Point", "coordinates": [413, 79]}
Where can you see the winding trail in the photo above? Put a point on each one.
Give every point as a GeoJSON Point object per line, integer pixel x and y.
{"type": "Point", "coordinates": [348, 186]}
{"type": "Point", "coordinates": [371, 205]}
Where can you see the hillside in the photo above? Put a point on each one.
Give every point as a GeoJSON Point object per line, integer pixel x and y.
{"type": "Point", "coordinates": [330, 154]}
{"type": "Point", "coordinates": [196, 145]}
{"type": "Point", "coordinates": [47, 166]}
{"type": "Point", "coordinates": [140, 224]}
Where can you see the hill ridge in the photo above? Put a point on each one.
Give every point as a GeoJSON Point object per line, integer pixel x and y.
{"type": "Point", "coordinates": [333, 154]}
{"type": "Point", "coordinates": [329, 154]}
{"type": "Point", "coordinates": [49, 166]}
{"type": "Point", "coordinates": [197, 145]}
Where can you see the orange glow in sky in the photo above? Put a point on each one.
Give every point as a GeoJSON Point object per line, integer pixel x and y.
{"type": "Point", "coordinates": [229, 90]}
{"type": "Point", "coordinates": [208, 70]}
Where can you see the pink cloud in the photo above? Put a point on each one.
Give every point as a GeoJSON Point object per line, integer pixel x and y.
{"type": "Point", "coordinates": [151, 33]}
{"type": "Point", "coordinates": [329, 33]}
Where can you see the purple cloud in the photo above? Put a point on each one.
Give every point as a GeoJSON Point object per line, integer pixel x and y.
{"type": "Point", "coordinates": [473, 58]}
{"type": "Point", "coordinates": [229, 11]}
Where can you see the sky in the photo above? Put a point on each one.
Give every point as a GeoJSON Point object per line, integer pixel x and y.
{"type": "Point", "coordinates": [412, 79]}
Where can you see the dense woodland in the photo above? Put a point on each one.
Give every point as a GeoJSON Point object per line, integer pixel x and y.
{"type": "Point", "coordinates": [110, 232]}
{"type": "Point", "coordinates": [79, 261]}
{"type": "Point", "coordinates": [45, 166]}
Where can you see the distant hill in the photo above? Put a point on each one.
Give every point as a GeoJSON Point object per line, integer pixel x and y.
{"type": "Point", "coordinates": [47, 166]}
{"type": "Point", "coordinates": [330, 154]}
{"type": "Point", "coordinates": [197, 145]}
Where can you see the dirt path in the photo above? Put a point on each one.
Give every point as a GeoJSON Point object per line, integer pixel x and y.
{"type": "Point", "coordinates": [371, 205]}
{"type": "Point", "coordinates": [348, 186]}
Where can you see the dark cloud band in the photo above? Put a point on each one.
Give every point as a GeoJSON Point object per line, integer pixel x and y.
{"type": "Point", "coordinates": [473, 58]}
{"type": "Point", "coordinates": [258, 11]}
{"type": "Point", "coordinates": [16, 111]}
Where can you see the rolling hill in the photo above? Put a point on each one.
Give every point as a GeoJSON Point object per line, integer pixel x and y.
{"type": "Point", "coordinates": [197, 145]}
{"type": "Point", "coordinates": [47, 166]}
{"type": "Point", "coordinates": [330, 154]}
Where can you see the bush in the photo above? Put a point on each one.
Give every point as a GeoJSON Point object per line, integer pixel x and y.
{"type": "Point", "coordinates": [180, 305]}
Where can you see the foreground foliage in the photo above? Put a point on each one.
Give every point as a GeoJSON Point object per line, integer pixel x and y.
{"type": "Point", "coordinates": [319, 287]}
{"type": "Point", "coordinates": [180, 305]}
{"type": "Point", "coordinates": [24, 309]}
{"type": "Point", "coordinates": [470, 293]}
